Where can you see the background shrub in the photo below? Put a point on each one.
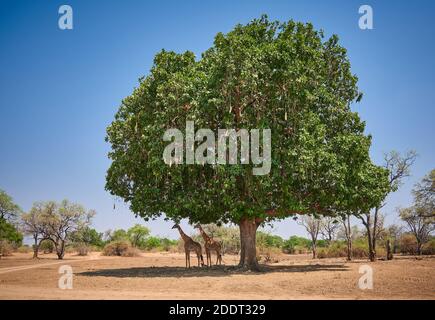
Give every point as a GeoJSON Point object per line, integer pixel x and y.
{"type": "Point", "coordinates": [338, 249]}
{"type": "Point", "coordinates": [151, 243]}
{"type": "Point", "coordinates": [429, 248]}
{"type": "Point", "coordinates": [10, 233]}
{"type": "Point", "coordinates": [24, 249]}
{"type": "Point", "coordinates": [120, 248]}
{"type": "Point", "coordinates": [46, 246]}
{"type": "Point", "coordinates": [82, 249]}
{"type": "Point", "coordinates": [408, 244]}
{"type": "Point", "coordinates": [6, 248]}
{"type": "Point", "coordinates": [296, 245]}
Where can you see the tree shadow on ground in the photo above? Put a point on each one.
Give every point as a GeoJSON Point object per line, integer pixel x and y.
{"type": "Point", "coordinates": [215, 271]}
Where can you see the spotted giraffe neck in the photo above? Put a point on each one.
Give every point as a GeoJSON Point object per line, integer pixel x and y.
{"type": "Point", "coordinates": [204, 235]}
{"type": "Point", "coordinates": [182, 234]}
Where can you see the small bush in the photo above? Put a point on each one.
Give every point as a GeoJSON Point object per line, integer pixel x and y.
{"type": "Point", "coordinates": [359, 252]}
{"type": "Point", "coordinates": [120, 248]}
{"type": "Point", "coordinates": [408, 244]}
{"type": "Point", "coordinates": [152, 243]}
{"type": "Point", "coordinates": [70, 249]}
{"type": "Point", "coordinates": [46, 246]}
{"type": "Point", "coordinates": [6, 248]}
{"type": "Point", "coordinates": [96, 248]}
{"type": "Point", "coordinates": [167, 244]}
{"type": "Point", "coordinates": [82, 249]}
{"type": "Point", "coordinates": [24, 249]}
{"type": "Point", "coordinates": [429, 248]}
{"type": "Point", "coordinates": [131, 252]}
{"type": "Point", "coordinates": [335, 250]}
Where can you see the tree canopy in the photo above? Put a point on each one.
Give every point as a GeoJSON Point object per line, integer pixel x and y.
{"type": "Point", "coordinates": [424, 195]}
{"type": "Point", "coordinates": [285, 77]}
{"type": "Point", "coordinates": [57, 222]}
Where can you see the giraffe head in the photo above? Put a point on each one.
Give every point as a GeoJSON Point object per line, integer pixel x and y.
{"type": "Point", "coordinates": [175, 226]}
{"type": "Point", "coordinates": [197, 226]}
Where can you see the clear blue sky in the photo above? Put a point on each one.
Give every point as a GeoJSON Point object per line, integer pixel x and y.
{"type": "Point", "coordinates": [60, 89]}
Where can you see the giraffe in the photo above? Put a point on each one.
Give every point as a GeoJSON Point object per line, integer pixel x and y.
{"type": "Point", "coordinates": [210, 245]}
{"type": "Point", "coordinates": [190, 245]}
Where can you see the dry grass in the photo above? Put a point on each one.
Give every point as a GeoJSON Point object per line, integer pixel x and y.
{"type": "Point", "coordinates": [163, 276]}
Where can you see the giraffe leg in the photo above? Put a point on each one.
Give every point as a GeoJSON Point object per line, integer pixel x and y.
{"type": "Point", "coordinates": [186, 256]}
{"type": "Point", "coordinates": [209, 257]}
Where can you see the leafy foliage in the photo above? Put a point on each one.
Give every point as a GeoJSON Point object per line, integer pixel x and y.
{"type": "Point", "coordinates": [266, 74]}
{"type": "Point", "coordinates": [46, 246]}
{"type": "Point", "coordinates": [138, 235]}
{"type": "Point", "coordinates": [269, 240]}
{"type": "Point", "coordinates": [116, 235]}
{"type": "Point", "coordinates": [58, 222]}
{"type": "Point", "coordinates": [88, 236]}
{"type": "Point", "coordinates": [9, 211]}
{"type": "Point", "coordinates": [295, 243]}
{"type": "Point", "coordinates": [9, 233]}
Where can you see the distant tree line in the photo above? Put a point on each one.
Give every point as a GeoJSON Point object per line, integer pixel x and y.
{"type": "Point", "coordinates": [58, 227]}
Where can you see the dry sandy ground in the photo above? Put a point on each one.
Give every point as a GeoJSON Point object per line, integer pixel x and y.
{"type": "Point", "coordinates": [162, 276]}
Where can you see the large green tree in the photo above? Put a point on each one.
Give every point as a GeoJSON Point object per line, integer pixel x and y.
{"type": "Point", "coordinates": [285, 77]}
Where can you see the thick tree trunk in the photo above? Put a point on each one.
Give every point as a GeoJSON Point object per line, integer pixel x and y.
{"type": "Point", "coordinates": [248, 251]}
{"type": "Point", "coordinates": [349, 249]}
{"type": "Point", "coordinates": [314, 250]}
{"type": "Point", "coordinates": [375, 230]}
{"type": "Point", "coordinates": [348, 234]}
{"type": "Point", "coordinates": [367, 223]}
{"type": "Point", "coordinates": [60, 249]}
{"type": "Point", "coordinates": [372, 255]}
{"type": "Point", "coordinates": [35, 247]}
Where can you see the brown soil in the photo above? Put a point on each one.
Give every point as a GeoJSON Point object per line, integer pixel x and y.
{"type": "Point", "coordinates": [163, 276]}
